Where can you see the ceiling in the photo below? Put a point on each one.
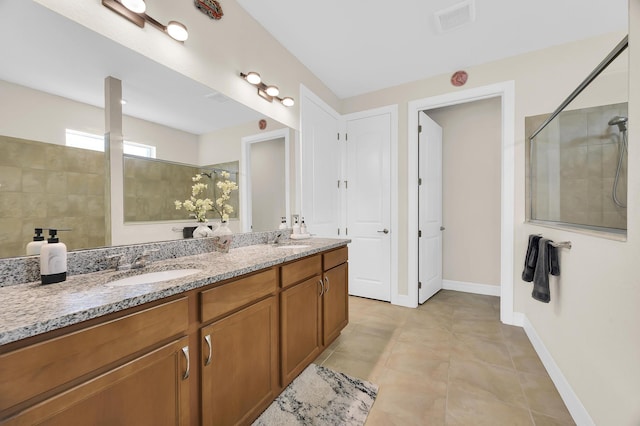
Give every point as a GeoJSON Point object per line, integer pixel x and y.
{"type": "Point", "coordinates": [359, 46]}
{"type": "Point", "coordinates": [47, 52]}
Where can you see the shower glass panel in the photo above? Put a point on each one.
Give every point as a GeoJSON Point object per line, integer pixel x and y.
{"type": "Point", "coordinates": [578, 156]}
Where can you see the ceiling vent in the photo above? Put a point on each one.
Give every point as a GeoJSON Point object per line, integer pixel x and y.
{"type": "Point", "coordinates": [455, 16]}
{"type": "Point", "coordinates": [217, 96]}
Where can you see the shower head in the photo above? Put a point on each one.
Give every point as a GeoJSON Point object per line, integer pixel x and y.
{"type": "Point", "coordinates": [621, 122]}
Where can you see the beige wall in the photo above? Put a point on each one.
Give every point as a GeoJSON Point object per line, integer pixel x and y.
{"type": "Point", "coordinates": [267, 177]}
{"type": "Point", "coordinates": [471, 191]}
{"type": "Point", "coordinates": [589, 325]}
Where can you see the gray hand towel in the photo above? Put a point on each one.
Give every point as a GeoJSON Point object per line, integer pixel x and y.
{"type": "Point", "coordinates": [530, 258]}
{"type": "Point", "coordinates": [541, 272]}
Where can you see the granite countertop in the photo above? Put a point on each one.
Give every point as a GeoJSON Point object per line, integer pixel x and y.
{"type": "Point", "coordinates": [30, 309]}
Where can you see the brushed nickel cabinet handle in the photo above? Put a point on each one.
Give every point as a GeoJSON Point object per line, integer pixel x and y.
{"type": "Point", "coordinates": [185, 352]}
{"type": "Point", "coordinates": [207, 339]}
{"type": "Point", "coordinates": [326, 280]}
{"type": "Point", "coordinates": [321, 287]}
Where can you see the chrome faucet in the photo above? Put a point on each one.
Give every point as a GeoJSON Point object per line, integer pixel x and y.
{"type": "Point", "coordinates": [118, 261]}
{"type": "Point", "coordinates": [276, 239]}
{"type": "Point", "coordinates": [141, 260]}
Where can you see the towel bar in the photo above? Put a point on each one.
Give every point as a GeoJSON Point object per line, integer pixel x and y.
{"type": "Point", "coordinates": [561, 244]}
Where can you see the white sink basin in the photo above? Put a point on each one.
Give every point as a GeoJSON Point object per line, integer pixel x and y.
{"type": "Point", "coordinates": [153, 277]}
{"type": "Point", "coordinates": [293, 246]}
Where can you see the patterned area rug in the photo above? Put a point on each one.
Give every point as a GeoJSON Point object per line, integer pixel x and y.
{"type": "Point", "coordinates": [320, 396]}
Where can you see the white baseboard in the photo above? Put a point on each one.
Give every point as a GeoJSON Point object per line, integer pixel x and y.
{"type": "Point", "coordinates": [571, 400]}
{"type": "Point", "coordinates": [486, 289]}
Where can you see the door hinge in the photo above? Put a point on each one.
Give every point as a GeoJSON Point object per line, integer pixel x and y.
{"type": "Point", "coordinates": [346, 137]}
{"type": "Point", "coordinates": [346, 231]}
{"type": "Point", "coordinates": [346, 185]}
{"type": "Point", "coordinates": [338, 231]}
{"type": "Point", "coordinates": [419, 181]}
{"type": "Point", "coordinates": [338, 183]}
{"type": "Point", "coordinates": [338, 136]}
{"type": "Point", "coordinates": [419, 129]}
{"type": "Point", "coordinates": [419, 285]}
{"type": "Point", "coordinates": [419, 234]}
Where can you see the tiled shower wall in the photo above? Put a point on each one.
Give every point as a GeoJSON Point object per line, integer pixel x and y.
{"type": "Point", "coordinates": [152, 186]}
{"type": "Point", "coordinates": [575, 161]}
{"type": "Point", "coordinates": [50, 186]}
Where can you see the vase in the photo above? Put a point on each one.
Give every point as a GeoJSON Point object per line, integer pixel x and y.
{"type": "Point", "coordinates": [202, 231]}
{"type": "Point", "coordinates": [222, 229]}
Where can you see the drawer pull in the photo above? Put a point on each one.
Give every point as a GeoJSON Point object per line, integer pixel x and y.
{"type": "Point", "coordinates": [207, 339]}
{"type": "Point", "coordinates": [321, 287]}
{"type": "Point", "coordinates": [185, 352]}
{"type": "Point", "coordinates": [326, 280]}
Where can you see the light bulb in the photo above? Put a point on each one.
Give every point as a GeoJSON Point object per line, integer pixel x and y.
{"type": "Point", "coordinates": [272, 91]}
{"type": "Point", "coordinates": [136, 6]}
{"type": "Point", "coordinates": [288, 102]}
{"type": "Point", "coordinates": [177, 31]}
{"type": "Point", "coordinates": [253, 77]}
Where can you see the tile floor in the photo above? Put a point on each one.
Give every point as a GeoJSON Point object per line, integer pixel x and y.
{"type": "Point", "coordinates": [449, 362]}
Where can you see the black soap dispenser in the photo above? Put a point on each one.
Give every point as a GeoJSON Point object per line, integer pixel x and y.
{"type": "Point", "coordinates": [53, 260]}
{"type": "Point", "coordinates": [35, 246]}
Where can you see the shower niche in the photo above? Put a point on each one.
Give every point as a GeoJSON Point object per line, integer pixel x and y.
{"type": "Point", "coordinates": [577, 156]}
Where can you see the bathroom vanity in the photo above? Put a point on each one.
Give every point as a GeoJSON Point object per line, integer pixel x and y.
{"type": "Point", "coordinates": [214, 347]}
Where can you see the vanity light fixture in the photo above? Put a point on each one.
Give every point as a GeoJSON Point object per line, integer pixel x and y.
{"type": "Point", "coordinates": [267, 92]}
{"type": "Point", "coordinates": [134, 11]}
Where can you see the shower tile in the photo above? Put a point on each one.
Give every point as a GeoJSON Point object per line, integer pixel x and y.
{"type": "Point", "coordinates": [10, 151]}
{"type": "Point", "coordinates": [34, 180]}
{"type": "Point", "coordinates": [77, 183]}
{"type": "Point", "coordinates": [96, 185]}
{"type": "Point", "coordinates": [32, 156]}
{"type": "Point", "coordinates": [56, 206]}
{"type": "Point", "coordinates": [56, 182]}
{"type": "Point", "coordinates": [11, 205]}
{"type": "Point", "coordinates": [34, 206]}
{"type": "Point", "coordinates": [55, 155]}
{"type": "Point", "coordinates": [11, 178]}
{"type": "Point", "coordinates": [573, 128]}
{"type": "Point", "coordinates": [574, 162]}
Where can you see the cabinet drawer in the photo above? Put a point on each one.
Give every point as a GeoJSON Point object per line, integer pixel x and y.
{"type": "Point", "coordinates": [334, 258]}
{"type": "Point", "coordinates": [35, 369]}
{"type": "Point", "coordinates": [300, 270]}
{"type": "Point", "coordinates": [227, 297]}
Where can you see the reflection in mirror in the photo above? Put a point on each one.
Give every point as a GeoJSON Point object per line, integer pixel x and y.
{"type": "Point", "coordinates": [265, 187]}
{"type": "Point", "coordinates": [52, 79]}
{"type": "Point", "coordinates": [152, 186]}
{"type": "Point", "coordinates": [578, 155]}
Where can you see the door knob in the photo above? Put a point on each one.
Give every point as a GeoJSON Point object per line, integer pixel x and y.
{"type": "Point", "coordinates": [442, 228]}
{"type": "Point", "coordinates": [385, 231]}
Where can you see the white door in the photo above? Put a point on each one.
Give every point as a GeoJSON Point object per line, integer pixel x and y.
{"type": "Point", "coordinates": [321, 167]}
{"type": "Point", "coordinates": [430, 208]}
{"type": "Point", "coordinates": [368, 195]}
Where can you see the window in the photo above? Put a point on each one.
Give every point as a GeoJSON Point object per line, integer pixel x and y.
{"type": "Point", "coordinates": [93, 142]}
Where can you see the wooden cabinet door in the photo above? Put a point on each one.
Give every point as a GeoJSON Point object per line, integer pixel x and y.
{"type": "Point", "coordinates": [150, 390]}
{"type": "Point", "coordinates": [240, 364]}
{"type": "Point", "coordinates": [335, 303]}
{"type": "Point", "coordinates": [300, 312]}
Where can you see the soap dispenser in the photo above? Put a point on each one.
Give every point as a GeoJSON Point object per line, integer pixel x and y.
{"type": "Point", "coordinates": [283, 223]}
{"type": "Point", "coordinates": [303, 227]}
{"type": "Point", "coordinates": [53, 260]}
{"type": "Point", "coordinates": [38, 241]}
{"type": "Point", "coordinates": [296, 226]}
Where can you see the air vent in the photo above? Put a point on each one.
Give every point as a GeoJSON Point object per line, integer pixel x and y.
{"type": "Point", "coordinates": [456, 16]}
{"type": "Point", "coordinates": [217, 96]}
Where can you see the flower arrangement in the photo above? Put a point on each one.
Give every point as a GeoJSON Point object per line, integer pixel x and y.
{"type": "Point", "coordinates": [200, 206]}
{"type": "Point", "coordinates": [226, 186]}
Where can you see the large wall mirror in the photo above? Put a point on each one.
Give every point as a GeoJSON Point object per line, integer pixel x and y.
{"type": "Point", "coordinates": [52, 84]}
